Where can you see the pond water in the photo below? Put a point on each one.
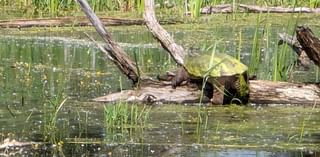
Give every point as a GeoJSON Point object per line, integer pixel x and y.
{"type": "Point", "coordinates": [49, 76]}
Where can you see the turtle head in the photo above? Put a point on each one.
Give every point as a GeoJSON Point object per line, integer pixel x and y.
{"type": "Point", "coordinates": [181, 76]}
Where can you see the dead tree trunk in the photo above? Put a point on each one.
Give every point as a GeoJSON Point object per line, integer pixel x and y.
{"type": "Point", "coordinates": [161, 92]}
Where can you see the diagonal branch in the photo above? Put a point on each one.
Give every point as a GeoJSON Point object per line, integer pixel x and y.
{"type": "Point", "coordinates": [119, 57]}
{"type": "Point", "coordinates": [167, 42]}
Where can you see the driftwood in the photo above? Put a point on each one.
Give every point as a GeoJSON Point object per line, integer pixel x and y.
{"type": "Point", "coordinates": [240, 8]}
{"type": "Point", "coordinates": [71, 21]}
{"type": "Point", "coordinates": [154, 91]}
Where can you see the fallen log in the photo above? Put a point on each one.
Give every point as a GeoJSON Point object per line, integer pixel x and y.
{"type": "Point", "coordinates": [269, 92]}
{"type": "Point", "coordinates": [71, 21]}
{"type": "Point", "coordinates": [240, 8]}
{"type": "Point", "coordinates": [261, 92]}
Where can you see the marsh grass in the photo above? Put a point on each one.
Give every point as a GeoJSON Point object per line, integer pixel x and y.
{"type": "Point", "coordinates": [282, 64]}
{"type": "Point", "coordinates": [314, 3]}
{"type": "Point", "coordinates": [267, 59]}
{"type": "Point", "coordinates": [204, 114]}
{"type": "Point", "coordinates": [239, 48]}
{"type": "Point", "coordinates": [284, 57]}
{"type": "Point", "coordinates": [255, 52]}
{"type": "Point", "coordinates": [304, 121]}
{"type": "Point", "coordinates": [51, 109]}
{"type": "Point", "coordinates": [195, 8]}
{"type": "Point", "coordinates": [62, 7]}
{"type": "Point", "coordinates": [125, 117]}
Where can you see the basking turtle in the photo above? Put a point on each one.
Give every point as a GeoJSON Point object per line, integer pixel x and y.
{"type": "Point", "coordinates": [224, 75]}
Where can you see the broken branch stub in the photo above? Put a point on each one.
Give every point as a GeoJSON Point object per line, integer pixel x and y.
{"type": "Point", "coordinates": [302, 60]}
{"type": "Point", "coordinates": [309, 43]}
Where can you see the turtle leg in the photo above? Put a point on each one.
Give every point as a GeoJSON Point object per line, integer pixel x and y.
{"type": "Point", "coordinates": [218, 92]}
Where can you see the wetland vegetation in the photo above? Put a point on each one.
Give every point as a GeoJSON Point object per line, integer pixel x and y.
{"type": "Point", "coordinates": [48, 77]}
{"type": "Point", "coordinates": [44, 8]}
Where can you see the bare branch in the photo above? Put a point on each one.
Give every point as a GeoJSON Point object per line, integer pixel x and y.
{"type": "Point", "coordinates": [120, 58]}
{"type": "Point", "coordinates": [167, 42]}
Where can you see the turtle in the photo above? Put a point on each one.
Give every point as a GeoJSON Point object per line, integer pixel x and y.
{"type": "Point", "coordinates": [225, 77]}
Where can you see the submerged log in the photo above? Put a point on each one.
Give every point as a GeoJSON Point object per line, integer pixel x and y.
{"type": "Point", "coordinates": [240, 8]}
{"type": "Point", "coordinates": [71, 21]}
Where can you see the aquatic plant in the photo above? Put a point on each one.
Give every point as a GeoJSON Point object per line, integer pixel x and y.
{"type": "Point", "coordinates": [61, 7]}
{"type": "Point", "coordinates": [122, 116]}
{"type": "Point", "coordinates": [239, 48]}
{"type": "Point", "coordinates": [314, 3]}
{"type": "Point", "coordinates": [283, 63]}
{"type": "Point", "coordinates": [52, 108]}
{"type": "Point", "coordinates": [255, 52]}
{"type": "Point", "coordinates": [204, 114]}
{"type": "Point", "coordinates": [305, 120]}
{"type": "Point", "coordinates": [195, 8]}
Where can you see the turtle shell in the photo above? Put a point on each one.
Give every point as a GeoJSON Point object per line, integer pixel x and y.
{"type": "Point", "coordinates": [214, 65]}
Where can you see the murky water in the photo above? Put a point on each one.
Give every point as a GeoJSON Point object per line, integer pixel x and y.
{"type": "Point", "coordinates": [40, 69]}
